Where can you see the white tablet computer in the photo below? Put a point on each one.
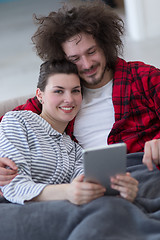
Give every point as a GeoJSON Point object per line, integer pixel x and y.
{"type": "Point", "coordinates": [103, 162]}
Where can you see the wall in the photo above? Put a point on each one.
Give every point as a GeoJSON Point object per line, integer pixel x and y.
{"type": "Point", "coordinates": [142, 18]}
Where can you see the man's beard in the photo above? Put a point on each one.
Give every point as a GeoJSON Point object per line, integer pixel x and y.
{"type": "Point", "coordinates": [94, 81]}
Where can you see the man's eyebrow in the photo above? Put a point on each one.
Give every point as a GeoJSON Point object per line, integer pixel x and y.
{"type": "Point", "coordinates": [91, 47]}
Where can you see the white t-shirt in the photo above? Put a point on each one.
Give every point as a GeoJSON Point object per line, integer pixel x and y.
{"type": "Point", "coordinates": [96, 117]}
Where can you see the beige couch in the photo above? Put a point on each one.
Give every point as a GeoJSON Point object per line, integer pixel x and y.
{"type": "Point", "coordinates": [10, 104]}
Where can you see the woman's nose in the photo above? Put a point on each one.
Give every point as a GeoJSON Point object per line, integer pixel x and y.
{"type": "Point", "coordinates": [68, 98]}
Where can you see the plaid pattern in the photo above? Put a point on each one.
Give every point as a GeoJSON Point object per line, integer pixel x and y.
{"type": "Point", "coordinates": [136, 100]}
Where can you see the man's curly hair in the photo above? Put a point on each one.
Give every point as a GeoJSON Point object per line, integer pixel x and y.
{"type": "Point", "coordinates": [91, 17]}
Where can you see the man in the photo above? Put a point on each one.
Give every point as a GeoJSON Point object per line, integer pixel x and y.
{"type": "Point", "coordinates": [120, 100]}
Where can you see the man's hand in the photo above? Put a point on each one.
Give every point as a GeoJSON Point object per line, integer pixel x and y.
{"type": "Point", "coordinates": [152, 153]}
{"type": "Point", "coordinates": [6, 175]}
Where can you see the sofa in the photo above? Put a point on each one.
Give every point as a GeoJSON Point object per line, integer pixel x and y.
{"type": "Point", "coordinates": [10, 104]}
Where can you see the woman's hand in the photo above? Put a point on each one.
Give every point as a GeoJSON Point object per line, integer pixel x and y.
{"type": "Point", "coordinates": [6, 175]}
{"type": "Point", "coordinates": [126, 185]}
{"type": "Point", "coordinates": [80, 192]}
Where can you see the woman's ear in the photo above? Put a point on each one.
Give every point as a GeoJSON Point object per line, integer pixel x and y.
{"type": "Point", "coordinates": [39, 95]}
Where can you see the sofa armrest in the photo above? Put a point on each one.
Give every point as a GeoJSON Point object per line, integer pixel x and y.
{"type": "Point", "coordinates": [10, 104]}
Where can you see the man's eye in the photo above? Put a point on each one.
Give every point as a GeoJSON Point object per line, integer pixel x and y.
{"type": "Point", "coordinates": [74, 60]}
{"type": "Point", "coordinates": [91, 52]}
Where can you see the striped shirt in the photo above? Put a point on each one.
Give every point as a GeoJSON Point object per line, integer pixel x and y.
{"type": "Point", "coordinates": [43, 155]}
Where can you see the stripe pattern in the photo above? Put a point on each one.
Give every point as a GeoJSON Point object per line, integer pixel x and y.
{"type": "Point", "coordinates": [43, 155]}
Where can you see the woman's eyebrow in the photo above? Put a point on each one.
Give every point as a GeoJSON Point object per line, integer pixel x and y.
{"type": "Point", "coordinates": [58, 87]}
{"type": "Point", "coordinates": [64, 88]}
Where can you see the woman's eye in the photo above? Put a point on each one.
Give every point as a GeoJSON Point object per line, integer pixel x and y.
{"type": "Point", "coordinates": [58, 91]}
{"type": "Point", "coordinates": [76, 91]}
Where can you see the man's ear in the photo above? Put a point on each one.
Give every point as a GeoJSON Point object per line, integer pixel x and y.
{"type": "Point", "coordinates": [39, 95]}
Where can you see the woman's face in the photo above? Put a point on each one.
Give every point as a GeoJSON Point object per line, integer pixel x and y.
{"type": "Point", "coordinates": [61, 99]}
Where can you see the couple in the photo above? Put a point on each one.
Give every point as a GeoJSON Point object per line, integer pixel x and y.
{"type": "Point", "coordinates": [120, 99]}
{"type": "Point", "coordinates": [49, 163]}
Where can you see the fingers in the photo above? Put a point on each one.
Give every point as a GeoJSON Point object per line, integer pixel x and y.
{"type": "Point", "coordinates": [84, 192]}
{"type": "Point", "coordinates": [1, 194]}
{"type": "Point", "coordinates": [6, 175]}
{"type": "Point", "coordinates": [6, 162]}
{"type": "Point", "coordinates": [4, 172]}
{"type": "Point", "coordinates": [126, 185]}
{"type": "Point", "coordinates": [89, 189]}
{"type": "Point", "coordinates": [87, 197]}
{"type": "Point", "coordinates": [151, 153]}
{"type": "Point", "coordinates": [79, 178]}
{"type": "Point", "coordinates": [147, 158]}
{"type": "Point", "coordinates": [7, 180]}
{"type": "Point", "coordinates": [87, 186]}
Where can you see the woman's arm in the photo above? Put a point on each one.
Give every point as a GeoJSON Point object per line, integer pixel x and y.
{"type": "Point", "coordinates": [14, 140]}
{"type": "Point", "coordinates": [78, 192]}
{"type": "Point", "coordinates": [14, 145]}
{"type": "Point", "coordinates": [6, 175]}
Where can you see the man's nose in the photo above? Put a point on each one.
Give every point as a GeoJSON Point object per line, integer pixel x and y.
{"type": "Point", "coordinates": [86, 62]}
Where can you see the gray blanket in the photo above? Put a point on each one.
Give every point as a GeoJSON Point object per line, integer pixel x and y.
{"type": "Point", "coordinates": [111, 218]}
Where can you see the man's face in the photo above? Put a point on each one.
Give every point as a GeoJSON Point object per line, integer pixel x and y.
{"type": "Point", "coordinates": [89, 58]}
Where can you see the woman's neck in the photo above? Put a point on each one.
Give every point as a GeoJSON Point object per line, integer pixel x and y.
{"type": "Point", "coordinates": [56, 125]}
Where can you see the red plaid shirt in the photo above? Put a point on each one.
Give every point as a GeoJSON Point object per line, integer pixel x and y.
{"type": "Point", "coordinates": [136, 100]}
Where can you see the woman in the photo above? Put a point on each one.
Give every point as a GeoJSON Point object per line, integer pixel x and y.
{"type": "Point", "coordinates": [49, 162]}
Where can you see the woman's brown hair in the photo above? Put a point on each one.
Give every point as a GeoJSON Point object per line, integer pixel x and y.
{"type": "Point", "coordinates": [49, 68]}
